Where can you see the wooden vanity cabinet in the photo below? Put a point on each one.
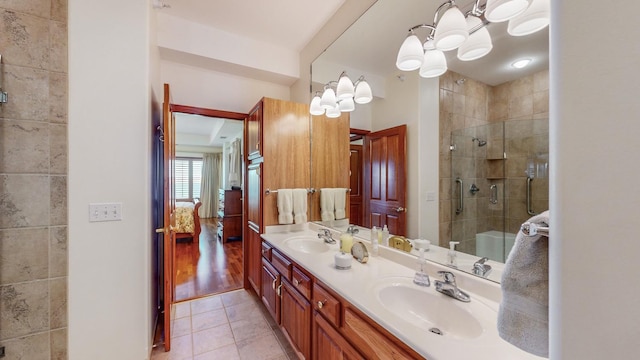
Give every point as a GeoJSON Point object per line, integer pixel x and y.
{"type": "Point", "coordinates": [295, 318]}
{"type": "Point", "coordinates": [270, 285]}
{"type": "Point", "coordinates": [329, 344]}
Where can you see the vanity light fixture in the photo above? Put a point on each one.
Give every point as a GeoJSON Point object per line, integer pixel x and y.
{"type": "Point", "coordinates": [343, 98]}
{"type": "Point", "coordinates": [470, 37]}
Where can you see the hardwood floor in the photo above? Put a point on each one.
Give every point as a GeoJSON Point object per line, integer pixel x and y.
{"type": "Point", "coordinates": [215, 269]}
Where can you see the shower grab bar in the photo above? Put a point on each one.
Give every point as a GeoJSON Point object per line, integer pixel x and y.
{"type": "Point", "coordinates": [461, 201]}
{"type": "Point", "coordinates": [493, 194]}
{"type": "Point", "coordinates": [529, 209]}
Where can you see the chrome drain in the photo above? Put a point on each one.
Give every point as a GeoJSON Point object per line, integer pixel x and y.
{"type": "Point", "coordinates": [436, 331]}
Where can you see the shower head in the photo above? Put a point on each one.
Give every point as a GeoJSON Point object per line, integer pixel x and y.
{"type": "Point", "coordinates": [480, 141]}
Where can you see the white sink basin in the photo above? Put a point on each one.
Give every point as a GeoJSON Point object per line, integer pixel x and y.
{"type": "Point", "coordinates": [307, 244]}
{"type": "Point", "coordinates": [426, 309]}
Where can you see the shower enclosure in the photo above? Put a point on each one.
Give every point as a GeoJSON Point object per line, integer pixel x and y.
{"type": "Point", "coordinates": [499, 180]}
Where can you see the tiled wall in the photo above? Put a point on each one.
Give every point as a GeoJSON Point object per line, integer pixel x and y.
{"type": "Point", "coordinates": [473, 109]}
{"type": "Point", "coordinates": [33, 179]}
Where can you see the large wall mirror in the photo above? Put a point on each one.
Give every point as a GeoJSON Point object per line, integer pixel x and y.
{"type": "Point", "coordinates": [477, 136]}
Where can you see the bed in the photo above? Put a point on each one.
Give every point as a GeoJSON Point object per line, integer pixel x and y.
{"type": "Point", "coordinates": [187, 219]}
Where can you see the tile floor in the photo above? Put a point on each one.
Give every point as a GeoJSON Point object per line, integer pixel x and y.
{"type": "Point", "coordinates": [233, 325]}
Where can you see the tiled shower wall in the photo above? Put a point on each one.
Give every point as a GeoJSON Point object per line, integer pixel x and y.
{"type": "Point", "coordinates": [468, 105]}
{"type": "Point", "coordinates": [33, 179]}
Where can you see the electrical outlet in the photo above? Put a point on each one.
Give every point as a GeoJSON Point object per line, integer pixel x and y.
{"type": "Point", "coordinates": [431, 196]}
{"type": "Point", "coordinates": [105, 212]}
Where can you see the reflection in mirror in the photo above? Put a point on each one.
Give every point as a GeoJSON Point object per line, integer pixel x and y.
{"type": "Point", "coordinates": [483, 122]}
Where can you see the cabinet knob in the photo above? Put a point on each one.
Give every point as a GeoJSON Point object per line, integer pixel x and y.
{"type": "Point", "coordinates": [321, 304]}
{"type": "Point", "coordinates": [279, 290]}
{"type": "Point", "coordinates": [296, 282]}
{"type": "Point", "coordinates": [273, 284]}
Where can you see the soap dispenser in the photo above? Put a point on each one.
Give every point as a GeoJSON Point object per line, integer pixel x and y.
{"type": "Point", "coordinates": [452, 256]}
{"type": "Point", "coordinates": [346, 242]}
{"type": "Point", "coordinates": [421, 278]}
{"type": "Point", "coordinates": [374, 241]}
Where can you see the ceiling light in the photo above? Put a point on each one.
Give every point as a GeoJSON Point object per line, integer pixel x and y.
{"type": "Point", "coordinates": [435, 63]}
{"type": "Point", "coordinates": [328, 99]}
{"type": "Point", "coordinates": [535, 18]}
{"type": "Point", "coordinates": [345, 87]}
{"type": "Point", "coordinates": [333, 105]}
{"type": "Point", "coordinates": [451, 30]}
{"type": "Point", "coordinates": [363, 92]}
{"type": "Point", "coordinates": [478, 44]}
{"type": "Point", "coordinates": [519, 64]}
{"type": "Point", "coordinates": [334, 112]}
{"type": "Point", "coordinates": [472, 39]}
{"type": "Point", "coordinates": [315, 108]}
{"type": "Point", "coordinates": [346, 105]}
{"type": "Point", "coordinates": [410, 54]}
{"type": "Point", "coordinates": [503, 10]}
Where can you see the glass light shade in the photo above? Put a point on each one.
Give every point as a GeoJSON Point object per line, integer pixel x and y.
{"type": "Point", "coordinates": [346, 105]}
{"type": "Point", "coordinates": [410, 54]}
{"type": "Point", "coordinates": [363, 93]}
{"type": "Point", "coordinates": [345, 87]}
{"type": "Point", "coordinates": [334, 112]}
{"type": "Point", "coordinates": [315, 108]}
{"type": "Point", "coordinates": [451, 30]}
{"type": "Point", "coordinates": [328, 100]}
{"type": "Point", "coordinates": [478, 44]}
{"type": "Point", "coordinates": [434, 65]}
{"type": "Point", "coordinates": [503, 10]}
{"type": "Point", "coordinates": [535, 18]}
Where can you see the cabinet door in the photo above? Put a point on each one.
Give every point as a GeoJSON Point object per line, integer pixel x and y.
{"type": "Point", "coordinates": [329, 344]}
{"type": "Point", "coordinates": [295, 318]}
{"type": "Point", "coordinates": [254, 263]}
{"type": "Point", "coordinates": [254, 132]}
{"type": "Point", "coordinates": [270, 284]}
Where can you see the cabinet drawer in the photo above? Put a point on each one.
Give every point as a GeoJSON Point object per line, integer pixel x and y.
{"type": "Point", "coordinates": [301, 282]}
{"type": "Point", "coordinates": [281, 264]}
{"type": "Point", "coordinates": [326, 304]}
{"type": "Point", "coordinates": [266, 251]}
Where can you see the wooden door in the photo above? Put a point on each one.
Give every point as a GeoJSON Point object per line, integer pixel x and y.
{"type": "Point", "coordinates": [356, 182]}
{"type": "Point", "coordinates": [254, 132]}
{"type": "Point", "coordinates": [252, 228]}
{"type": "Point", "coordinates": [168, 128]}
{"type": "Point", "coordinates": [385, 179]}
{"type": "Point", "coordinates": [270, 284]}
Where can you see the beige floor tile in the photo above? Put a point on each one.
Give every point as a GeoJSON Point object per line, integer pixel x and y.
{"type": "Point", "coordinates": [208, 319]}
{"type": "Point", "coordinates": [181, 327]}
{"type": "Point", "coordinates": [262, 348]}
{"type": "Point", "coordinates": [229, 352]}
{"type": "Point", "coordinates": [181, 310]}
{"type": "Point", "coordinates": [246, 310]}
{"type": "Point", "coordinates": [211, 339]}
{"type": "Point", "coordinates": [206, 304]}
{"type": "Point", "coordinates": [250, 328]}
{"type": "Point", "coordinates": [237, 297]}
{"type": "Point", "coordinates": [181, 348]}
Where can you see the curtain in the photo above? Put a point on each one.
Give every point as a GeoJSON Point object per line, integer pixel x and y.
{"type": "Point", "coordinates": [210, 185]}
{"type": "Point", "coordinates": [235, 163]}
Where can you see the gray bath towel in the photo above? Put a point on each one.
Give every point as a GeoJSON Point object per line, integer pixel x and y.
{"type": "Point", "coordinates": [523, 317]}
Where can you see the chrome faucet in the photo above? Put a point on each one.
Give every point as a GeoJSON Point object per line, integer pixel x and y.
{"type": "Point", "coordinates": [480, 268]}
{"type": "Point", "coordinates": [352, 230]}
{"type": "Point", "coordinates": [325, 234]}
{"type": "Point", "coordinates": [449, 287]}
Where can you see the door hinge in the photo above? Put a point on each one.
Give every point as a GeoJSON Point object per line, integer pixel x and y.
{"type": "Point", "coordinates": [4, 97]}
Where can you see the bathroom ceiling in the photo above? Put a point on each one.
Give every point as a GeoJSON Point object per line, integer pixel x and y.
{"type": "Point", "coordinates": [197, 130]}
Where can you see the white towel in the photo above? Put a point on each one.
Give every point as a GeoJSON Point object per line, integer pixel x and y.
{"type": "Point", "coordinates": [340, 200]}
{"type": "Point", "coordinates": [523, 316]}
{"type": "Point", "coordinates": [327, 207]}
{"type": "Point", "coordinates": [299, 206]}
{"type": "Point", "coordinates": [285, 206]}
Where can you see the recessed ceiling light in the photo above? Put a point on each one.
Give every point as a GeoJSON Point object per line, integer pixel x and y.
{"type": "Point", "coordinates": [223, 137]}
{"type": "Point", "coordinates": [519, 64]}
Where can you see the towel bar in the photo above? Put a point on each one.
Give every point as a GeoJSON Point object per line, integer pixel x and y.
{"type": "Point", "coordinates": [269, 191]}
{"type": "Point", "coordinates": [531, 229]}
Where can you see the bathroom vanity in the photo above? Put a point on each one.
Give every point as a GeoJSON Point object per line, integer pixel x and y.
{"type": "Point", "coordinates": [373, 310]}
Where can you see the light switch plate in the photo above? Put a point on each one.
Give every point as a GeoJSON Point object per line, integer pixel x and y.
{"type": "Point", "coordinates": [431, 196]}
{"type": "Point", "coordinates": [105, 212]}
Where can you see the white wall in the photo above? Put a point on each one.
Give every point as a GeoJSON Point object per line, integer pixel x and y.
{"type": "Point", "coordinates": [215, 90]}
{"type": "Point", "coordinates": [109, 90]}
{"type": "Point", "coordinates": [594, 147]}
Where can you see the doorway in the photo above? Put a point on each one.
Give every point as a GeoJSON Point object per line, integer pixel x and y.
{"type": "Point", "coordinates": [208, 168]}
